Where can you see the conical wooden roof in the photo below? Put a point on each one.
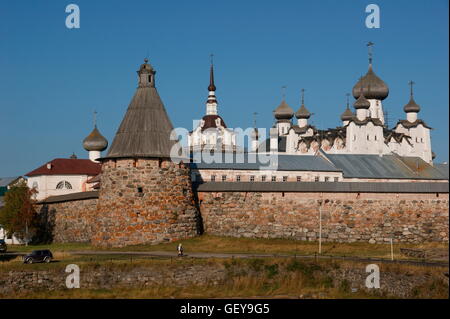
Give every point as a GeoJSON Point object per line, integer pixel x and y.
{"type": "Point", "coordinates": [145, 129]}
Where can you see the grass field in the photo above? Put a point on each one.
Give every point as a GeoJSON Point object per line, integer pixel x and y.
{"type": "Point", "coordinates": [216, 244]}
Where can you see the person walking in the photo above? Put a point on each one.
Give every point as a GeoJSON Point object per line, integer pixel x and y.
{"type": "Point", "coordinates": [180, 250]}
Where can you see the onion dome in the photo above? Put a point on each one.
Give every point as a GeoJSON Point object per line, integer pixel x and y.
{"type": "Point", "coordinates": [283, 111]}
{"type": "Point", "coordinates": [302, 113]}
{"type": "Point", "coordinates": [347, 115]}
{"type": "Point", "coordinates": [361, 102]}
{"type": "Point", "coordinates": [95, 141]}
{"type": "Point", "coordinates": [412, 106]}
{"type": "Point", "coordinates": [373, 86]}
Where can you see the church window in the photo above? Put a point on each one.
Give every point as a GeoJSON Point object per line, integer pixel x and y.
{"type": "Point", "coordinates": [354, 137]}
{"type": "Point", "coordinates": [368, 138]}
{"type": "Point", "coordinates": [285, 178]}
{"type": "Point", "coordinates": [274, 178]}
{"type": "Point", "coordinates": [35, 185]}
{"type": "Point", "coordinates": [421, 140]}
{"type": "Point", "coordinates": [299, 178]}
{"type": "Point", "coordinates": [327, 179]}
{"type": "Point", "coordinates": [213, 178]}
{"type": "Point", "coordinates": [224, 178]}
{"type": "Point", "coordinates": [336, 179]}
{"type": "Point", "coordinates": [64, 185]}
{"type": "Point", "coordinates": [263, 178]}
{"type": "Point", "coordinates": [375, 137]}
{"type": "Point", "coordinates": [150, 78]}
{"type": "Point", "coordinates": [316, 179]}
{"type": "Point", "coordinates": [252, 178]}
{"type": "Point", "coordinates": [238, 178]}
{"type": "Point", "coordinates": [140, 190]}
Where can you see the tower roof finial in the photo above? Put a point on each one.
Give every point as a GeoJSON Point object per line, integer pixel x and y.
{"type": "Point", "coordinates": [348, 101]}
{"type": "Point", "coordinates": [303, 96]}
{"type": "Point", "coordinates": [283, 92]}
{"type": "Point", "coordinates": [95, 118]}
{"type": "Point", "coordinates": [411, 84]}
{"type": "Point", "coordinates": [370, 44]}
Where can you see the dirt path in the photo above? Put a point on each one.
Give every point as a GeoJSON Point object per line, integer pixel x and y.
{"type": "Point", "coordinates": [166, 254]}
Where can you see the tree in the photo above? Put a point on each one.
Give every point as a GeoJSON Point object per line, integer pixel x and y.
{"type": "Point", "coordinates": [18, 214]}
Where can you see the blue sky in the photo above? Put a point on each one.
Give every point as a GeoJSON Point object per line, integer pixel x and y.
{"type": "Point", "coordinates": [52, 78]}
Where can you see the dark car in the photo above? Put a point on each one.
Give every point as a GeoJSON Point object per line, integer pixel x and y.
{"type": "Point", "coordinates": [3, 247]}
{"type": "Point", "coordinates": [38, 256]}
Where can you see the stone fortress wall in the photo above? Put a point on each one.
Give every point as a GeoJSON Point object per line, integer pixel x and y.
{"type": "Point", "coordinates": [346, 217]}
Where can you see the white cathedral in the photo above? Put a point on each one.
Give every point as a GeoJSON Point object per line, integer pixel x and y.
{"type": "Point", "coordinates": [363, 131]}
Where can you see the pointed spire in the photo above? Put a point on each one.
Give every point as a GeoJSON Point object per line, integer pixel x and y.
{"type": "Point", "coordinates": [211, 103]}
{"type": "Point", "coordinates": [211, 86]}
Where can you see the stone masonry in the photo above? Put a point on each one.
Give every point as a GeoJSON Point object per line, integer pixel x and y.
{"type": "Point", "coordinates": [374, 218]}
{"type": "Point", "coordinates": [144, 201]}
{"type": "Point", "coordinates": [69, 221]}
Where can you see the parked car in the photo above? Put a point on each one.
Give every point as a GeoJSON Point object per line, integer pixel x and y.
{"type": "Point", "coordinates": [3, 247]}
{"type": "Point", "coordinates": [38, 256]}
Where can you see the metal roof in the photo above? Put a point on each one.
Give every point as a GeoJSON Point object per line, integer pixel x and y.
{"type": "Point", "coordinates": [70, 197]}
{"type": "Point", "coordinates": [5, 181]}
{"type": "Point", "coordinates": [334, 187]}
{"type": "Point", "coordinates": [285, 163]}
{"type": "Point", "coordinates": [443, 168]}
{"type": "Point", "coordinates": [386, 166]}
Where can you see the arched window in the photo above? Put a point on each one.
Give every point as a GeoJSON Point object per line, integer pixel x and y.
{"type": "Point", "coordinates": [35, 185]}
{"type": "Point", "coordinates": [64, 185]}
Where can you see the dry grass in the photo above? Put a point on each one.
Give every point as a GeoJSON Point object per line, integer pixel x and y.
{"type": "Point", "coordinates": [245, 278]}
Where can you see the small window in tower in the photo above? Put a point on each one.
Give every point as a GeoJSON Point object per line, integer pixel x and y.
{"type": "Point", "coordinates": [263, 178]}
{"type": "Point", "coordinates": [213, 178]}
{"type": "Point", "coordinates": [224, 178]}
{"type": "Point", "coordinates": [375, 137]}
{"type": "Point", "coordinates": [150, 78]}
{"type": "Point", "coordinates": [421, 140]}
{"type": "Point", "coordinates": [316, 179]}
{"type": "Point", "coordinates": [238, 178]}
{"type": "Point", "coordinates": [274, 178]}
{"type": "Point", "coordinates": [354, 137]}
{"type": "Point", "coordinates": [368, 138]}
{"type": "Point", "coordinates": [299, 178]}
{"type": "Point", "coordinates": [285, 178]}
{"type": "Point", "coordinates": [336, 179]}
{"type": "Point", "coordinates": [327, 179]}
{"type": "Point", "coordinates": [252, 178]}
